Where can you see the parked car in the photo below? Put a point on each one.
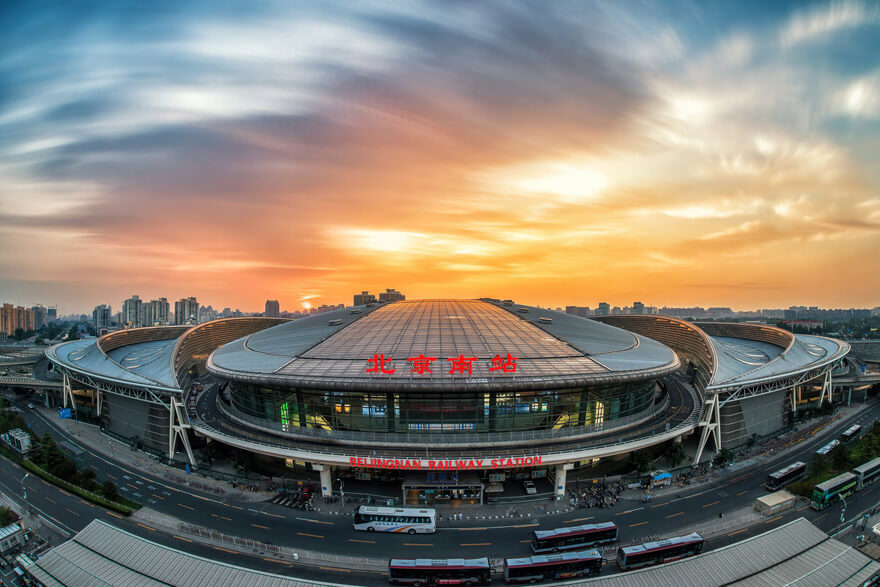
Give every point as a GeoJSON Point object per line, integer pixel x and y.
{"type": "Point", "coordinates": [530, 488]}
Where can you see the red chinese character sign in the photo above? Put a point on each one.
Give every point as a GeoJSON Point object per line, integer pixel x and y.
{"type": "Point", "coordinates": [460, 363]}
{"type": "Point", "coordinates": [421, 364]}
{"type": "Point", "coordinates": [378, 363]}
{"type": "Point", "coordinates": [506, 365]}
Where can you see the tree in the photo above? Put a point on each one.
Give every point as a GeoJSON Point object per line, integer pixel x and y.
{"type": "Point", "coordinates": [819, 467]}
{"type": "Point", "coordinates": [109, 490]}
{"type": "Point", "coordinates": [50, 454]}
{"type": "Point", "coordinates": [640, 461]}
{"type": "Point", "coordinates": [674, 454]}
{"type": "Point", "coordinates": [64, 470]}
{"type": "Point", "coordinates": [840, 457]}
{"type": "Point", "coordinates": [73, 333]}
{"type": "Point", "coordinates": [722, 457]}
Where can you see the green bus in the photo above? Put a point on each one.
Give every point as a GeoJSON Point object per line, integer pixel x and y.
{"type": "Point", "coordinates": [824, 494]}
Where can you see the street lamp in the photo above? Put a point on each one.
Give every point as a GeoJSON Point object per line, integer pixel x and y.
{"type": "Point", "coordinates": [843, 511]}
{"type": "Point", "coordinates": [23, 488]}
{"type": "Point", "coordinates": [341, 492]}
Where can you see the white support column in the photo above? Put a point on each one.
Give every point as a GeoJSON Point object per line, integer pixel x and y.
{"type": "Point", "coordinates": [100, 401]}
{"type": "Point", "coordinates": [826, 388]}
{"type": "Point", "coordinates": [794, 400]}
{"type": "Point", "coordinates": [67, 392]}
{"type": "Point", "coordinates": [561, 474]}
{"type": "Point", "coordinates": [711, 423]}
{"type": "Point", "coordinates": [326, 479]}
{"type": "Point", "coordinates": [177, 425]}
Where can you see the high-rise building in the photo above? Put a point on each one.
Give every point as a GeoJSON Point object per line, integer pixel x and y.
{"type": "Point", "coordinates": [52, 314]}
{"type": "Point", "coordinates": [41, 316]}
{"type": "Point", "coordinates": [133, 312]}
{"type": "Point", "coordinates": [638, 308]}
{"type": "Point", "coordinates": [101, 317]}
{"type": "Point", "coordinates": [273, 309]}
{"type": "Point", "coordinates": [156, 312]}
{"type": "Point", "coordinates": [186, 311]}
{"type": "Point", "coordinates": [364, 297]}
{"type": "Point", "coordinates": [582, 311]}
{"type": "Point", "coordinates": [604, 309]}
{"type": "Point", "coordinates": [390, 295]}
{"type": "Point", "coordinates": [14, 317]}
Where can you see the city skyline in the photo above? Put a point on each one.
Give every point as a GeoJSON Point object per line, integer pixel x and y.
{"type": "Point", "coordinates": [717, 155]}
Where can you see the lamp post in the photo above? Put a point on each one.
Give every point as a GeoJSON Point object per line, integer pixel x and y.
{"type": "Point", "coordinates": [341, 491]}
{"type": "Point", "coordinates": [23, 488]}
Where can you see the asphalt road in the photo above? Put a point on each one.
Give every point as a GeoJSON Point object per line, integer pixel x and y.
{"type": "Point", "coordinates": [333, 534]}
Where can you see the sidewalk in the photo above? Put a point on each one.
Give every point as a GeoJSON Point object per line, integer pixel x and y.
{"type": "Point", "coordinates": [91, 437]}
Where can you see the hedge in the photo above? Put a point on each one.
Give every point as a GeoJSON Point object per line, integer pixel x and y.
{"type": "Point", "coordinates": [93, 497]}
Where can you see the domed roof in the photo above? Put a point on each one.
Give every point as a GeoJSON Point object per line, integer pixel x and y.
{"type": "Point", "coordinates": [441, 344]}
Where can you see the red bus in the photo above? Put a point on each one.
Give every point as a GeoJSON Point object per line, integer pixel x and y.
{"type": "Point", "coordinates": [662, 551]}
{"type": "Point", "coordinates": [573, 537]}
{"type": "Point", "coordinates": [552, 567]}
{"type": "Point", "coordinates": [450, 571]}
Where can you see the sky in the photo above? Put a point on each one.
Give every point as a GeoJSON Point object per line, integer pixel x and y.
{"type": "Point", "coordinates": [675, 153]}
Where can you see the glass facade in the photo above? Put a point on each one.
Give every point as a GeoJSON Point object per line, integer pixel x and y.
{"type": "Point", "coordinates": [428, 412]}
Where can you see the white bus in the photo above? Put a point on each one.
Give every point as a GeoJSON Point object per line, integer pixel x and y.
{"type": "Point", "coordinates": [828, 447]}
{"type": "Point", "coordinates": [400, 520]}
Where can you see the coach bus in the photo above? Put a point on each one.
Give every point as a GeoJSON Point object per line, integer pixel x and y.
{"type": "Point", "coordinates": [399, 520]}
{"type": "Point", "coordinates": [783, 477]}
{"type": "Point", "coordinates": [552, 567]}
{"type": "Point", "coordinates": [850, 434]}
{"type": "Point", "coordinates": [663, 551]}
{"type": "Point", "coordinates": [573, 537]}
{"type": "Point", "coordinates": [450, 571]}
{"type": "Point", "coordinates": [824, 494]}
{"type": "Point", "coordinates": [867, 473]}
{"type": "Point", "coordinates": [828, 447]}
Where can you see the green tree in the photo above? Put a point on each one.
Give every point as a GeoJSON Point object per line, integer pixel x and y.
{"type": "Point", "coordinates": [840, 457]}
{"type": "Point", "coordinates": [65, 470]}
{"type": "Point", "coordinates": [7, 516]}
{"type": "Point", "coordinates": [819, 467]}
{"type": "Point", "coordinates": [50, 454]}
{"type": "Point", "coordinates": [109, 490]}
{"type": "Point", "coordinates": [73, 333]}
{"type": "Point", "coordinates": [674, 454]}
{"type": "Point", "coordinates": [640, 462]}
{"type": "Point", "coordinates": [722, 457]}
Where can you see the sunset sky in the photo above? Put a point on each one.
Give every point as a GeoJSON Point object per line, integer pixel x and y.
{"type": "Point", "coordinates": [721, 153]}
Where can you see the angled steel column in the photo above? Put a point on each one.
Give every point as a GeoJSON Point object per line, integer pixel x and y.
{"type": "Point", "coordinates": [177, 425]}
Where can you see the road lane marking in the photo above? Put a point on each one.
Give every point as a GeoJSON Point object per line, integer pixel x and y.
{"type": "Point", "coordinates": [738, 532]}
{"type": "Point", "coordinates": [638, 524]}
{"type": "Point", "coordinates": [258, 526]}
{"type": "Point", "coordinates": [147, 527]}
{"type": "Point", "coordinates": [52, 500]}
{"type": "Point", "coordinates": [800, 509]}
{"type": "Point", "coordinates": [282, 517]}
{"type": "Point", "coordinates": [65, 493]}
{"type": "Point", "coordinates": [220, 549]}
{"type": "Point", "coordinates": [181, 538]}
{"type": "Point", "coordinates": [362, 541]}
{"type": "Point", "coordinates": [527, 525]}
{"type": "Point", "coordinates": [187, 507]}
{"type": "Point", "coordinates": [72, 512]}
{"type": "Point", "coordinates": [313, 521]}
{"type": "Point", "coordinates": [229, 505]}
{"type": "Point", "coordinates": [275, 560]}
{"type": "Point", "coordinates": [742, 493]}
{"type": "Point", "coordinates": [109, 513]}
{"type": "Point", "coordinates": [225, 518]}
{"type": "Point", "coordinates": [476, 544]}
{"type": "Point", "coordinates": [708, 505]}
{"type": "Point", "coordinates": [91, 505]}
{"type": "Point", "coordinates": [157, 496]}
{"type": "Point", "coordinates": [334, 569]}
{"type": "Point", "coordinates": [678, 514]}
{"type": "Point", "coordinates": [470, 529]}
{"type": "Point", "coordinates": [417, 544]}
{"type": "Point", "coordinates": [577, 520]}
{"type": "Point", "coordinates": [776, 519]}
{"type": "Point", "coordinates": [525, 541]}
{"type": "Point", "coordinates": [309, 535]}
{"type": "Point", "coordinates": [660, 505]}
{"type": "Point", "coordinates": [132, 486]}
{"type": "Point", "coordinates": [112, 477]}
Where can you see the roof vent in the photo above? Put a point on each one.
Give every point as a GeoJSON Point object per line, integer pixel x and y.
{"type": "Point", "coordinates": [522, 310]}
{"type": "Point", "coordinates": [355, 311]}
{"type": "Point", "coordinates": [335, 322]}
{"type": "Point", "coordinates": [545, 319]}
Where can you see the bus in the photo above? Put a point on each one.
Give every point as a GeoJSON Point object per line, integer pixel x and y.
{"type": "Point", "coordinates": [573, 537]}
{"type": "Point", "coordinates": [867, 473]}
{"type": "Point", "coordinates": [828, 447]}
{"type": "Point", "coordinates": [552, 567]}
{"type": "Point", "coordinates": [400, 520]}
{"type": "Point", "coordinates": [450, 571]}
{"type": "Point", "coordinates": [850, 434]}
{"type": "Point", "coordinates": [662, 551]}
{"type": "Point", "coordinates": [783, 477]}
{"type": "Point", "coordinates": [826, 493]}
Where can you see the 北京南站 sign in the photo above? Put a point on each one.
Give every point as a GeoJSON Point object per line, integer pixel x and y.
{"type": "Point", "coordinates": [444, 464]}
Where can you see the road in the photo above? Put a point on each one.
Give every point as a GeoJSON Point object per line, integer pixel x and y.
{"type": "Point", "coordinates": [314, 531]}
